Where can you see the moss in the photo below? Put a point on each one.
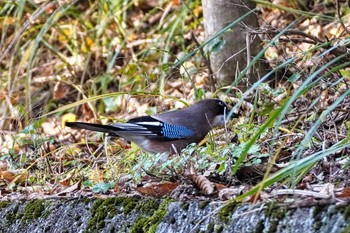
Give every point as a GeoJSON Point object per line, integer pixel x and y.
{"type": "Point", "coordinates": [98, 212]}
{"type": "Point", "coordinates": [149, 224]}
{"type": "Point", "coordinates": [317, 216]}
{"type": "Point", "coordinates": [138, 227]}
{"type": "Point", "coordinates": [226, 211]}
{"type": "Point", "coordinates": [13, 214]}
{"type": "Point", "coordinates": [317, 225]}
{"type": "Point", "coordinates": [259, 227]}
{"type": "Point", "coordinates": [210, 227]}
{"type": "Point", "coordinates": [185, 205]}
{"type": "Point", "coordinates": [214, 228]}
{"type": "Point", "coordinates": [316, 211]}
{"type": "Point", "coordinates": [346, 213]}
{"type": "Point", "coordinates": [219, 229]}
{"type": "Point", "coordinates": [4, 204]}
{"type": "Point", "coordinates": [108, 208]}
{"type": "Point", "coordinates": [129, 205]}
{"type": "Point", "coordinates": [279, 213]}
{"type": "Point", "coordinates": [86, 200]}
{"type": "Point", "coordinates": [151, 212]}
{"type": "Point", "coordinates": [203, 204]}
{"type": "Point", "coordinates": [269, 208]}
{"type": "Point", "coordinates": [34, 209]}
{"type": "Point", "coordinates": [346, 229]}
{"type": "Point", "coordinates": [275, 214]}
{"type": "Point", "coordinates": [148, 205]}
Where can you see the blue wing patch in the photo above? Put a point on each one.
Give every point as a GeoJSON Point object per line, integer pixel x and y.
{"type": "Point", "coordinates": [176, 131]}
{"type": "Point", "coordinates": [150, 125]}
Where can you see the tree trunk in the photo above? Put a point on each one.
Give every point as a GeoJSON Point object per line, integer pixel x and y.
{"type": "Point", "coordinates": [231, 59]}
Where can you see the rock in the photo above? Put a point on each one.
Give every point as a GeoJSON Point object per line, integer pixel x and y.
{"type": "Point", "coordinates": [136, 214]}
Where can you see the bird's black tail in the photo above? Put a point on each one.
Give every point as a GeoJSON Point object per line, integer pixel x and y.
{"type": "Point", "coordinates": [94, 127]}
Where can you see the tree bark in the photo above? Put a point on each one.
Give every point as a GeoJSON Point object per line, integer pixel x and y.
{"type": "Point", "coordinates": [231, 59]}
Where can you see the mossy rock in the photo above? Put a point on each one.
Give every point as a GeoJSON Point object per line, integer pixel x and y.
{"type": "Point", "coordinates": [34, 209]}
{"type": "Point", "coordinates": [149, 224]}
{"type": "Point", "coordinates": [107, 208]}
{"type": "Point", "coordinates": [4, 204]}
{"type": "Point", "coordinates": [203, 204]}
{"type": "Point", "coordinates": [226, 211]}
{"type": "Point", "coordinates": [148, 205]}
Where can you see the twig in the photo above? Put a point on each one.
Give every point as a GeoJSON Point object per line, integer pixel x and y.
{"type": "Point", "coordinates": [297, 40]}
{"type": "Point", "coordinates": [334, 50]}
{"type": "Point", "coordinates": [340, 19]}
{"type": "Point", "coordinates": [206, 60]}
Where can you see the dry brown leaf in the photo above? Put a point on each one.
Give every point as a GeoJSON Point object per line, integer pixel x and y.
{"type": "Point", "coordinates": [122, 144]}
{"type": "Point", "coordinates": [87, 112]}
{"type": "Point", "coordinates": [66, 181]}
{"type": "Point", "coordinates": [13, 98]}
{"type": "Point", "coordinates": [70, 189]}
{"type": "Point", "coordinates": [203, 184]}
{"type": "Point", "coordinates": [309, 178]}
{"type": "Point", "coordinates": [176, 2]}
{"type": "Point", "coordinates": [219, 186]}
{"type": "Point", "coordinates": [60, 90]}
{"type": "Point", "coordinates": [284, 3]}
{"type": "Point", "coordinates": [230, 193]}
{"type": "Point", "coordinates": [157, 189]}
{"type": "Point", "coordinates": [15, 176]}
{"type": "Point", "coordinates": [345, 193]}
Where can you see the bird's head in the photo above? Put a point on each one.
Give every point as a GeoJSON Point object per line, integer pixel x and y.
{"type": "Point", "coordinates": [218, 113]}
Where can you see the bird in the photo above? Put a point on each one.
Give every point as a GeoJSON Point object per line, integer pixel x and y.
{"type": "Point", "coordinates": [167, 132]}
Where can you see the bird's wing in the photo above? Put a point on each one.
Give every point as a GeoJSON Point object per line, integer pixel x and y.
{"type": "Point", "coordinates": [140, 126]}
{"type": "Point", "coordinates": [114, 129]}
{"type": "Point", "coordinates": [161, 129]}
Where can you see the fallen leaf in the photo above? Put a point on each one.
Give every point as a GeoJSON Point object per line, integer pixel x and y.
{"type": "Point", "coordinates": [219, 186]}
{"type": "Point", "coordinates": [60, 90]}
{"type": "Point", "coordinates": [15, 176]}
{"type": "Point", "coordinates": [65, 181]}
{"type": "Point", "coordinates": [157, 189]}
{"type": "Point", "coordinates": [70, 189]}
{"type": "Point", "coordinates": [345, 193]}
{"type": "Point", "coordinates": [203, 183]}
{"type": "Point", "coordinates": [230, 193]}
